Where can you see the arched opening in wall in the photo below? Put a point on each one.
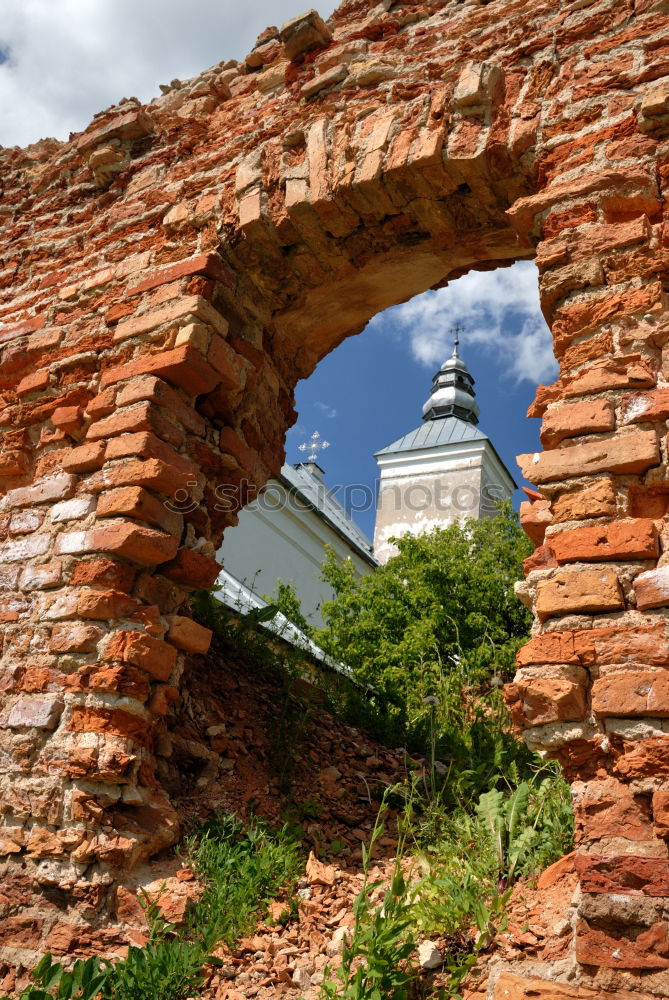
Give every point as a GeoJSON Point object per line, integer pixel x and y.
{"type": "Point", "coordinates": [392, 436]}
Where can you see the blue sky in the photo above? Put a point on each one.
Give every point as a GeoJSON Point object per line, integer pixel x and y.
{"type": "Point", "coordinates": [371, 389]}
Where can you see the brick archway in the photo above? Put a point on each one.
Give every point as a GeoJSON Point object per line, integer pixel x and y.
{"type": "Point", "coordinates": [171, 272]}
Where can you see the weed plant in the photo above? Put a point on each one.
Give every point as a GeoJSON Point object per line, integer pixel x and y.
{"type": "Point", "coordinates": [241, 872]}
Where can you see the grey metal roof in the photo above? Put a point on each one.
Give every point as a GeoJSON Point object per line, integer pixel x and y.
{"type": "Point", "coordinates": [312, 490]}
{"type": "Point", "coordinates": [443, 430]}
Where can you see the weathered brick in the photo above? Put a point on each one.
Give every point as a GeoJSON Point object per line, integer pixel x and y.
{"type": "Point", "coordinates": [34, 713]}
{"type": "Point", "coordinates": [645, 406]}
{"type": "Point", "coordinates": [85, 458]}
{"type": "Point", "coordinates": [123, 538]}
{"type": "Point", "coordinates": [535, 518]}
{"type": "Point", "coordinates": [540, 701]}
{"type": "Point", "coordinates": [642, 692]}
{"type": "Point", "coordinates": [112, 721]}
{"type": "Point", "coordinates": [51, 488]}
{"type": "Point", "coordinates": [141, 417]}
{"type": "Point", "coordinates": [183, 366]}
{"type": "Point", "coordinates": [569, 420]}
{"type": "Point", "coordinates": [74, 638]}
{"type": "Point", "coordinates": [594, 500]}
{"type": "Point", "coordinates": [186, 634]}
{"type": "Point", "coordinates": [192, 569]}
{"type": "Point", "coordinates": [635, 452]}
{"type": "Point", "coordinates": [208, 264]}
{"type": "Point", "coordinates": [635, 538]}
{"type": "Point", "coordinates": [652, 588]}
{"type": "Point", "coordinates": [25, 548]}
{"type": "Point", "coordinates": [154, 656]}
{"type": "Point", "coordinates": [152, 388]}
{"type": "Point", "coordinates": [189, 305]}
{"type": "Point", "coordinates": [134, 501]}
{"type": "Point", "coordinates": [579, 592]}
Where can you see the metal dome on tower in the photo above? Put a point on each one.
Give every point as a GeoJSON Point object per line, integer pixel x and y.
{"type": "Point", "coordinates": [452, 392]}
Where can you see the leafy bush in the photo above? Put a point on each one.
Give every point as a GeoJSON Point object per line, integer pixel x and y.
{"type": "Point", "coordinates": [446, 596]}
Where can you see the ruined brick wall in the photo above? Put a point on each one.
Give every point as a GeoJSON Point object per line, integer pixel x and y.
{"type": "Point", "coordinates": [169, 274]}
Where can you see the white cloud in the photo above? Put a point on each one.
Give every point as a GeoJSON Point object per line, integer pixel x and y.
{"type": "Point", "coordinates": [68, 59]}
{"type": "Point", "coordinates": [501, 316]}
{"type": "Point", "coordinates": [325, 408]}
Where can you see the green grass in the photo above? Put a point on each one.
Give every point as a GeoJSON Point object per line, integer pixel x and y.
{"type": "Point", "coordinates": [241, 870]}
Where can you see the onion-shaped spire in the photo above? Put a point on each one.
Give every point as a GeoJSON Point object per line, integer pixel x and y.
{"type": "Point", "coordinates": [452, 392]}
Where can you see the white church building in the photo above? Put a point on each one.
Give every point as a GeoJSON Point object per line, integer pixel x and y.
{"type": "Point", "coordinates": [443, 471]}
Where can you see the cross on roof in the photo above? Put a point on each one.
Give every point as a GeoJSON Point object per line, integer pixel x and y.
{"type": "Point", "coordinates": [313, 446]}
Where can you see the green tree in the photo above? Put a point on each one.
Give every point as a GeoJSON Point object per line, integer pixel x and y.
{"type": "Point", "coordinates": [442, 611]}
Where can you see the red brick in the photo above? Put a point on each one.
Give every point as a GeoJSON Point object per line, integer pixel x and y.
{"type": "Point", "coordinates": [635, 452]}
{"type": "Point", "coordinates": [73, 638]}
{"type": "Point", "coordinates": [123, 538]}
{"type": "Point", "coordinates": [154, 656]}
{"type": "Point", "coordinates": [186, 634]}
{"type": "Point", "coordinates": [208, 264]}
{"type": "Point", "coordinates": [68, 418]}
{"type": "Point", "coordinates": [661, 815]}
{"type": "Point", "coordinates": [636, 538]}
{"type": "Point", "coordinates": [571, 419]}
{"type": "Point", "coordinates": [192, 569]}
{"type": "Point", "coordinates": [609, 950]}
{"type": "Point", "coordinates": [134, 501]}
{"type": "Point", "coordinates": [146, 445]}
{"type": "Point", "coordinates": [594, 500]}
{"type": "Point", "coordinates": [652, 588]}
{"type": "Point", "coordinates": [85, 458]}
{"type": "Point", "coordinates": [152, 473]}
{"type": "Point", "coordinates": [111, 721]}
{"type": "Point", "coordinates": [231, 443]}
{"type": "Point", "coordinates": [142, 417]}
{"type": "Point", "coordinates": [632, 693]}
{"type": "Point", "coordinates": [105, 573]}
{"type": "Point", "coordinates": [629, 875]}
{"type": "Point", "coordinates": [183, 367]}
{"type": "Point", "coordinates": [537, 702]}
{"type": "Point", "coordinates": [188, 305]}
{"type": "Point", "coordinates": [645, 406]}
{"type": "Point", "coordinates": [154, 389]}
{"type": "Point", "coordinates": [48, 490]}
{"type": "Point", "coordinates": [579, 592]}
{"type": "Point", "coordinates": [535, 518]}
{"type": "Point", "coordinates": [33, 383]}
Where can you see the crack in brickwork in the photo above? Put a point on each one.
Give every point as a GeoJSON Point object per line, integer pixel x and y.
{"type": "Point", "coordinates": [169, 274]}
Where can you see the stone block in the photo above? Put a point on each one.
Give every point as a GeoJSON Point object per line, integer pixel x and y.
{"type": "Point", "coordinates": [33, 713]}
{"type": "Point", "coordinates": [303, 33]}
{"type": "Point", "coordinates": [478, 85]}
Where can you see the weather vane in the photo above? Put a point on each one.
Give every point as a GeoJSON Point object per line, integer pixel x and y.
{"type": "Point", "coordinates": [313, 446]}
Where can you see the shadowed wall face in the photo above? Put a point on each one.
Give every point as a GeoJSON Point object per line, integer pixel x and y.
{"type": "Point", "coordinates": [167, 277]}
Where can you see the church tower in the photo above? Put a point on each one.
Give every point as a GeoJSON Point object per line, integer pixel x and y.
{"type": "Point", "coordinates": [446, 470]}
